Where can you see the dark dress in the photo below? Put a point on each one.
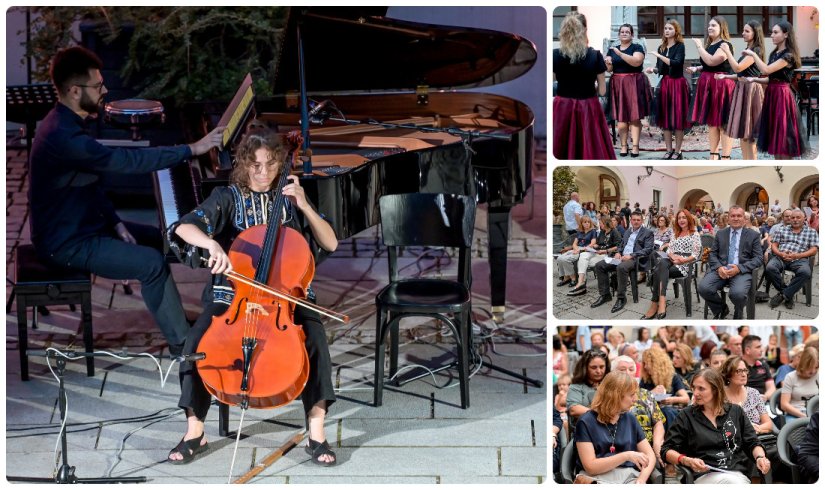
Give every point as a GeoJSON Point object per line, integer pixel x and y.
{"type": "Point", "coordinates": [746, 103]}
{"type": "Point", "coordinates": [712, 101]}
{"type": "Point", "coordinates": [780, 127]}
{"type": "Point", "coordinates": [671, 103]}
{"type": "Point", "coordinates": [629, 93]}
{"type": "Point", "coordinates": [227, 212]}
{"type": "Point", "coordinates": [579, 124]}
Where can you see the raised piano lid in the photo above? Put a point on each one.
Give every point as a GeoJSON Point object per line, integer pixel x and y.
{"type": "Point", "coordinates": [357, 49]}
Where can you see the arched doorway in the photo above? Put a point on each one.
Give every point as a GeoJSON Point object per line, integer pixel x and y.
{"type": "Point", "coordinates": [609, 191]}
{"type": "Point", "coordinates": [601, 185]}
{"type": "Point", "coordinates": [804, 188]}
{"type": "Point", "coordinates": [696, 198]}
{"type": "Point", "coordinates": [749, 195]}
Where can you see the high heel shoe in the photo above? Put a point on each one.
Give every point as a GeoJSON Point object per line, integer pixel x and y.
{"type": "Point", "coordinates": [677, 156]}
{"type": "Point", "coordinates": [661, 316]}
{"type": "Point", "coordinates": [668, 155]}
{"type": "Point", "coordinates": [645, 317]}
{"type": "Point", "coordinates": [711, 156]}
{"type": "Point", "coordinates": [635, 155]}
{"type": "Point", "coordinates": [623, 153]}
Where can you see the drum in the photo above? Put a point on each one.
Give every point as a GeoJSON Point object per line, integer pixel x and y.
{"type": "Point", "coordinates": [134, 113]}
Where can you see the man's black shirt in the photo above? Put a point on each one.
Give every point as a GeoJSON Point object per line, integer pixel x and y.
{"type": "Point", "coordinates": [758, 374]}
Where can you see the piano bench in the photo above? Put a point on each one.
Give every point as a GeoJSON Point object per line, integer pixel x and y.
{"type": "Point", "coordinates": [37, 284]}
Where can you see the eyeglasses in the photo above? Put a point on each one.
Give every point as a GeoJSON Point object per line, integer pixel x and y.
{"type": "Point", "coordinates": [257, 167]}
{"type": "Point", "coordinates": [741, 371]}
{"type": "Point", "coordinates": [96, 86]}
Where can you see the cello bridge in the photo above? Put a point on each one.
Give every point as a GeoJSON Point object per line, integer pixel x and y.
{"type": "Point", "coordinates": [256, 308]}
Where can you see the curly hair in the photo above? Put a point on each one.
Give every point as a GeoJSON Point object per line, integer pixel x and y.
{"type": "Point", "coordinates": [657, 368]}
{"type": "Point", "coordinates": [573, 36]}
{"type": "Point", "coordinates": [257, 136]}
{"type": "Point", "coordinates": [607, 402]}
{"type": "Point", "coordinates": [691, 222]}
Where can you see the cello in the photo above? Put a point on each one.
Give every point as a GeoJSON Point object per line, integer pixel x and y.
{"type": "Point", "coordinates": [255, 353]}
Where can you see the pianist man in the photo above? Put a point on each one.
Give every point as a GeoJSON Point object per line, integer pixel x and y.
{"type": "Point", "coordinates": [72, 223]}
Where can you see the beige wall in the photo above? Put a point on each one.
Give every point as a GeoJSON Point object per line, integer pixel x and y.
{"type": "Point", "coordinates": [727, 185]}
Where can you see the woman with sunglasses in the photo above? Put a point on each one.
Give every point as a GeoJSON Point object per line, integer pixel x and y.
{"type": "Point", "coordinates": [587, 375]}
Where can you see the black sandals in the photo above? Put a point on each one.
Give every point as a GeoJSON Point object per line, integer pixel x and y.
{"type": "Point", "coordinates": [188, 449]}
{"type": "Point", "coordinates": [317, 449]}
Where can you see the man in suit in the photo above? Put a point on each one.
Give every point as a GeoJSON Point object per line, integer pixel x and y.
{"type": "Point", "coordinates": [735, 254]}
{"type": "Point", "coordinates": [637, 244]}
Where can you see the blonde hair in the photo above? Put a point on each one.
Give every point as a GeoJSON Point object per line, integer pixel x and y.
{"type": "Point", "coordinates": [657, 368]}
{"type": "Point", "coordinates": [807, 360]}
{"type": "Point", "coordinates": [724, 33]}
{"type": "Point", "coordinates": [691, 339]}
{"type": "Point", "coordinates": [687, 355]}
{"type": "Point", "coordinates": [573, 36]}
{"type": "Point", "coordinates": [609, 394]}
{"type": "Point", "coordinates": [581, 223]}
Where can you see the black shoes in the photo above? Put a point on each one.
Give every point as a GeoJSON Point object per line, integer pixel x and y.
{"type": "Point", "coordinates": [635, 155]}
{"type": "Point", "coordinates": [578, 290]}
{"type": "Point", "coordinates": [777, 299]}
{"type": "Point", "coordinates": [661, 316]}
{"type": "Point", "coordinates": [668, 155]}
{"type": "Point", "coordinates": [601, 300]}
{"type": "Point", "coordinates": [623, 153]}
{"type": "Point", "coordinates": [564, 282]}
{"type": "Point", "coordinates": [677, 156]}
{"type": "Point", "coordinates": [722, 314]}
{"type": "Point", "coordinates": [789, 303]}
{"type": "Point", "coordinates": [619, 305]}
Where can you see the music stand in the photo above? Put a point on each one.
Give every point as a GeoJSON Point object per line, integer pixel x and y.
{"type": "Point", "coordinates": [27, 104]}
{"type": "Point", "coordinates": [66, 473]}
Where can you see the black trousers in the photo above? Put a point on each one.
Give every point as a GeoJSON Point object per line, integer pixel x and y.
{"type": "Point", "coordinates": [663, 271]}
{"type": "Point", "coordinates": [193, 394]}
{"type": "Point", "coordinates": [110, 257]}
{"type": "Point", "coordinates": [603, 270]}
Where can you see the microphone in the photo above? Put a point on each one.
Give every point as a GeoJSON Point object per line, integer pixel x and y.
{"type": "Point", "coordinates": [318, 108]}
{"type": "Point", "coordinates": [195, 356]}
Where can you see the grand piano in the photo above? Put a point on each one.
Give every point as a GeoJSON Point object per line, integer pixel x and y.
{"type": "Point", "coordinates": [393, 120]}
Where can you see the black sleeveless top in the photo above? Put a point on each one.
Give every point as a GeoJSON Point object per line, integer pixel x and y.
{"type": "Point", "coordinates": [723, 67]}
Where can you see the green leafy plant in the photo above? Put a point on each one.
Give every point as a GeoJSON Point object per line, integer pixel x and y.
{"type": "Point", "coordinates": [564, 182]}
{"type": "Point", "coordinates": [177, 53]}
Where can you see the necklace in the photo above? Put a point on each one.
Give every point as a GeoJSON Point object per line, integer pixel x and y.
{"type": "Point", "coordinates": [613, 437]}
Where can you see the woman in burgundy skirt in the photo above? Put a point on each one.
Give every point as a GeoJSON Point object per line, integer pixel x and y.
{"type": "Point", "coordinates": [746, 103]}
{"type": "Point", "coordinates": [579, 124]}
{"type": "Point", "coordinates": [712, 101]}
{"type": "Point", "coordinates": [629, 94]}
{"type": "Point", "coordinates": [780, 130]}
{"type": "Point", "coordinates": [670, 106]}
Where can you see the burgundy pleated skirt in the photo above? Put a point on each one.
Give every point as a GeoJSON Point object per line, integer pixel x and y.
{"type": "Point", "coordinates": [712, 101]}
{"type": "Point", "coordinates": [580, 130]}
{"type": "Point", "coordinates": [746, 107]}
{"type": "Point", "coordinates": [671, 106]}
{"type": "Point", "coordinates": [629, 96]}
{"type": "Point", "coordinates": [780, 129]}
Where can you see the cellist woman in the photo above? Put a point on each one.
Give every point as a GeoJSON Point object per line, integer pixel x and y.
{"type": "Point", "coordinates": [208, 231]}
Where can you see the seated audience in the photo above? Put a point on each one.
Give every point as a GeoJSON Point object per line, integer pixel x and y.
{"type": "Point", "coordinates": [615, 341]}
{"type": "Point", "coordinates": [759, 375]}
{"type": "Point", "coordinates": [660, 378]}
{"type": "Point", "coordinates": [585, 237]}
{"type": "Point", "coordinates": [637, 243]}
{"type": "Point", "coordinates": [735, 254]}
{"type": "Point", "coordinates": [557, 428]}
{"type": "Point", "coordinates": [646, 409]}
{"type": "Point", "coordinates": [691, 341]}
{"type": "Point", "coordinates": [735, 374]}
{"type": "Point", "coordinates": [643, 342]}
{"type": "Point", "coordinates": [714, 432]}
{"type": "Point", "coordinates": [791, 247]}
{"type": "Point", "coordinates": [812, 341]}
{"type": "Point", "coordinates": [663, 334]}
{"type": "Point", "coordinates": [717, 359]}
{"type": "Point", "coordinates": [705, 351]}
{"type": "Point", "coordinates": [800, 385]}
{"type": "Point", "coordinates": [597, 339]}
{"type": "Point", "coordinates": [793, 360]}
{"type": "Point", "coordinates": [607, 242]}
{"type": "Point", "coordinates": [630, 350]}
{"type": "Point", "coordinates": [773, 352]}
{"type": "Point", "coordinates": [560, 400]}
{"type": "Point", "coordinates": [807, 454]}
{"type": "Point", "coordinates": [734, 345]}
{"type": "Point", "coordinates": [683, 362]}
{"type": "Point", "coordinates": [743, 331]}
{"type": "Point", "coordinates": [587, 374]}
{"type": "Point", "coordinates": [611, 444]}
{"type": "Point", "coordinates": [559, 357]}
{"type": "Point", "coordinates": [662, 233]}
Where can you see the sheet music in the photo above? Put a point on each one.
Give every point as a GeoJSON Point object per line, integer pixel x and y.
{"type": "Point", "coordinates": [720, 470]}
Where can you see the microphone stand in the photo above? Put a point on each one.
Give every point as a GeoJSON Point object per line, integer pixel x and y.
{"type": "Point", "coordinates": [66, 473]}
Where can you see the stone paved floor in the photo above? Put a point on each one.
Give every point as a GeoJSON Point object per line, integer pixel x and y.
{"type": "Point", "coordinates": [419, 435]}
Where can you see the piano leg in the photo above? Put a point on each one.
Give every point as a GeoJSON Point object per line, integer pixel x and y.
{"type": "Point", "coordinates": [498, 234]}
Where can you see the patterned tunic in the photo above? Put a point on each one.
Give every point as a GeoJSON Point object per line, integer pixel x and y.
{"type": "Point", "coordinates": [686, 246]}
{"type": "Point", "coordinates": [223, 216]}
{"type": "Point", "coordinates": [647, 412]}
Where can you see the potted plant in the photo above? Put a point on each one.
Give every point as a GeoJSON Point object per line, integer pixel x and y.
{"type": "Point", "coordinates": [564, 182]}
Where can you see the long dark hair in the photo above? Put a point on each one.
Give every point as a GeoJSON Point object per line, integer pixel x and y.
{"type": "Point", "coordinates": [757, 44]}
{"type": "Point", "coordinates": [580, 371]}
{"type": "Point", "coordinates": [790, 42]}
